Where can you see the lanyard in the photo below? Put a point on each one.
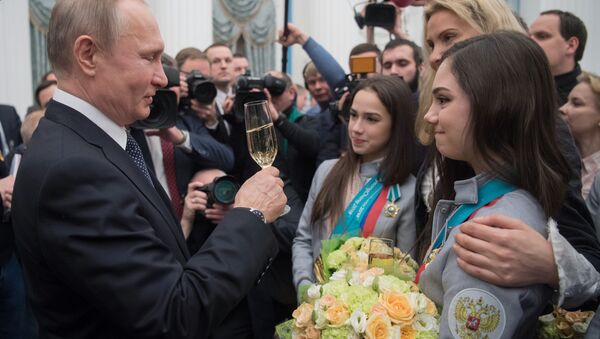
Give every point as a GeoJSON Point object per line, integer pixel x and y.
{"type": "Point", "coordinates": [487, 193]}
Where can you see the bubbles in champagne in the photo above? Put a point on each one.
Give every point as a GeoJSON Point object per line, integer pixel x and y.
{"type": "Point", "coordinates": [262, 144]}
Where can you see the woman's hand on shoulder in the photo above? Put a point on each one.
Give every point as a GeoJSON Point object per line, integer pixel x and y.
{"type": "Point", "coordinates": [506, 252]}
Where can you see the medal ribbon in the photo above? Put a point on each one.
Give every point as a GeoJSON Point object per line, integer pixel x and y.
{"type": "Point", "coordinates": [354, 216]}
{"type": "Point", "coordinates": [375, 212]}
{"type": "Point", "coordinates": [489, 192]}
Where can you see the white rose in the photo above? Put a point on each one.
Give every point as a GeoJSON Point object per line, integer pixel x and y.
{"type": "Point", "coordinates": [355, 279]}
{"type": "Point", "coordinates": [339, 275]}
{"type": "Point", "coordinates": [358, 320]}
{"type": "Point", "coordinates": [320, 320]}
{"type": "Point", "coordinates": [314, 291]}
{"type": "Point", "coordinates": [425, 322]}
{"type": "Point", "coordinates": [417, 301]}
{"type": "Point", "coordinates": [368, 282]}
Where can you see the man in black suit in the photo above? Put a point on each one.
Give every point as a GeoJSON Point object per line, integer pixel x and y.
{"type": "Point", "coordinates": [10, 134]}
{"type": "Point", "coordinates": [102, 252]}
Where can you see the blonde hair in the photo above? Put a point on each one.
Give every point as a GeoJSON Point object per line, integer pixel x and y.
{"type": "Point", "coordinates": [71, 19]}
{"type": "Point", "coordinates": [485, 16]}
{"type": "Point", "coordinates": [594, 81]}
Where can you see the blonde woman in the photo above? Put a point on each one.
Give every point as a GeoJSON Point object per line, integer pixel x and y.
{"type": "Point", "coordinates": [582, 114]}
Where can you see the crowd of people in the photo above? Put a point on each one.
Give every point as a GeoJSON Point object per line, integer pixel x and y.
{"type": "Point", "coordinates": [477, 153]}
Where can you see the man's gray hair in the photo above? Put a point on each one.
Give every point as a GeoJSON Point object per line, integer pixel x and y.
{"type": "Point", "coordinates": [71, 19]}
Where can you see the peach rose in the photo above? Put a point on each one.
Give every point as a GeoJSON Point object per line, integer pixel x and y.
{"type": "Point", "coordinates": [407, 332]}
{"type": "Point", "coordinates": [398, 308]}
{"type": "Point", "coordinates": [378, 308]}
{"type": "Point", "coordinates": [337, 314]}
{"type": "Point", "coordinates": [378, 327]}
{"type": "Point", "coordinates": [431, 309]}
{"type": "Point", "coordinates": [309, 332]}
{"type": "Point", "coordinates": [303, 315]}
{"type": "Point", "coordinates": [576, 317]}
{"type": "Point", "coordinates": [327, 300]}
{"type": "Point", "coordinates": [312, 333]}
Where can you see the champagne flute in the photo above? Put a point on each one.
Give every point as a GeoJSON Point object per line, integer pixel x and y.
{"type": "Point", "coordinates": [260, 134]}
{"type": "Point", "coordinates": [381, 254]}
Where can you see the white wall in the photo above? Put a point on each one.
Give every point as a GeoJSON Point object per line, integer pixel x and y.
{"type": "Point", "coordinates": [183, 23]}
{"type": "Point", "coordinates": [15, 58]}
{"type": "Point", "coordinates": [586, 10]}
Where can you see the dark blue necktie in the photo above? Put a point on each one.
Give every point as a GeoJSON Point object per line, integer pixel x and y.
{"type": "Point", "coordinates": [134, 151]}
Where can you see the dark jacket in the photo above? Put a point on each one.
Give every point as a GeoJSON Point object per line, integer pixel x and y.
{"type": "Point", "coordinates": [102, 251]}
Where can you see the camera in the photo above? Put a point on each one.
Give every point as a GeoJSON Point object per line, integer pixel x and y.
{"type": "Point", "coordinates": [222, 190]}
{"type": "Point", "coordinates": [200, 88]}
{"type": "Point", "coordinates": [360, 67]}
{"type": "Point", "coordinates": [249, 88]}
{"type": "Point", "coordinates": [163, 110]}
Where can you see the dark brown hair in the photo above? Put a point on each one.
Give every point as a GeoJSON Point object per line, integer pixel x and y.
{"type": "Point", "coordinates": [395, 95]}
{"type": "Point", "coordinates": [513, 117]}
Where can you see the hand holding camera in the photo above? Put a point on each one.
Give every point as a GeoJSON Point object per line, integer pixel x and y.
{"type": "Point", "coordinates": [171, 134]}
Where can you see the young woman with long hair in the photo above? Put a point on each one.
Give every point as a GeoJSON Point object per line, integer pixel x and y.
{"type": "Point", "coordinates": [497, 155]}
{"type": "Point", "coordinates": [374, 172]}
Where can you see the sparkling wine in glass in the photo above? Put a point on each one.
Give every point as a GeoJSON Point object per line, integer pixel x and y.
{"type": "Point", "coordinates": [260, 133]}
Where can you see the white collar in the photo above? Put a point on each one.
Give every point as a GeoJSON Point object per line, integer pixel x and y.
{"type": "Point", "coordinates": [116, 132]}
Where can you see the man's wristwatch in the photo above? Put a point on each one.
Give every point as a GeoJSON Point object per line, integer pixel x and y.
{"type": "Point", "coordinates": [258, 213]}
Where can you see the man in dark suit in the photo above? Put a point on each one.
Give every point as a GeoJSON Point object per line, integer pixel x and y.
{"type": "Point", "coordinates": [102, 252]}
{"type": "Point", "coordinates": [10, 134]}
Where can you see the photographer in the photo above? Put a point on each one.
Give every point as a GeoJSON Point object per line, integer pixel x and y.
{"type": "Point", "coordinates": [300, 135]}
{"type": "Point", "coordinates": [199, 217]}
{"type": "Point", "coordinates": [273, 300]}
{"type": "Point", "coordinates": [176, 153]}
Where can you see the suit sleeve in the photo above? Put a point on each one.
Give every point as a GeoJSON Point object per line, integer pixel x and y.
{"type": "Point", "coordinates": [206, 150]}
{"type": "Point", "coordinates": [96, 231]}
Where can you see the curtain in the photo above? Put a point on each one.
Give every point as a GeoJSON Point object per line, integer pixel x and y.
{"type": "Point", "coordinates": [39, 16]}
{"type": "Point", "coordinates": [248, 27]}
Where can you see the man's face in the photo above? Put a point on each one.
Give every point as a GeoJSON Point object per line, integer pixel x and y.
{"type": "Point", "coordinates": [399, 61]}
{"type": "Point", "coordinates": [126, 78]}
{"type": "Point", "coordinates": [45, 95]}
{"type": "Point", "coordinates": [318, 88]}
{"type": "Point", "coordinates": [545, 30]}
{"type": "Point", "coordinates": [240, 66]}
{"type": "Point", "coordinates": [221, 65]}
{"type": "Point", "coordinates": [200, 65]}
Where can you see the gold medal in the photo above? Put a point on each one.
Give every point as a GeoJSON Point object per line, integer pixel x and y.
{"type": "Point", "coordinates": [390, 210]}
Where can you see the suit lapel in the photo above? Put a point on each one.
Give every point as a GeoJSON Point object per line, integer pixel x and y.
{"type": "Point", "coordinates": [92, 134]}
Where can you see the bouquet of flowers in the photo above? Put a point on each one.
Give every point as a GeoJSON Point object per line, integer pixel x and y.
{"type": "Point", "coordinates": [365, 290]}
{"type": "Point", "coordinates": [564, 324]}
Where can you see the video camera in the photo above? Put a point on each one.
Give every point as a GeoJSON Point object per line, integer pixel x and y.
{"type": "Point", "coordinates": [249, 88]}
{"type": "Point", "coordinates": [163, 110]}
{"type": "Point", "coordinates": [222, 190]}
{"type": "Point", "coordinates": [359, 68]}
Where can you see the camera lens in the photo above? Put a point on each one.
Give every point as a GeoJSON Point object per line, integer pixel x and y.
{"type": "Point", "coordinates": [205, 92]}
{"type": "Point", "coordinates": [224, 190]}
